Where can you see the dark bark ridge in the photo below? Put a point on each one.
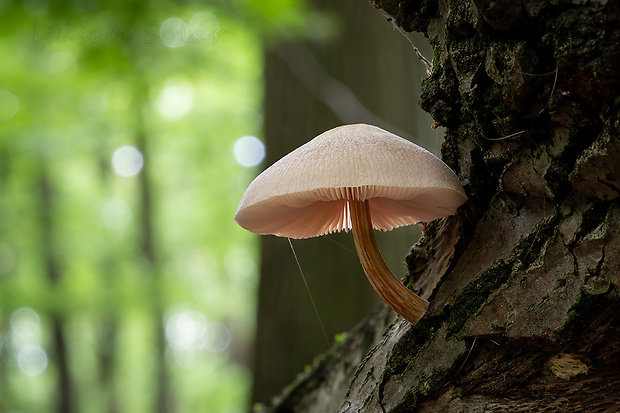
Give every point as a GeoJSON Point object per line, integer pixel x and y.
{"type": "Point", "coordinates": [525, 279]}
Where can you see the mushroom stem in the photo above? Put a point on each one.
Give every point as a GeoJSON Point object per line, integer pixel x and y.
{"type": "Point", "coordinates": [402, 300]}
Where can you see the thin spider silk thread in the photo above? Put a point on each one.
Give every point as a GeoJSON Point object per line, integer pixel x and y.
{"type": "Point", "coordinates": [316, 311]}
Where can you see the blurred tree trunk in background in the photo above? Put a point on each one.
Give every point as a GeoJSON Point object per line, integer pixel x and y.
{"type": "Point", "coordinates": [64, 386]}
{"type": "Point", "coordinates": [365, 72]}
{"type": "Point", "coordinates": [163, 395]}
{"type": "Point", "coordinates": [107, 357]}
{"type": "Point", "coordinates": [109, 325]}
{"type": "Point", "coordinates": [523, 283]}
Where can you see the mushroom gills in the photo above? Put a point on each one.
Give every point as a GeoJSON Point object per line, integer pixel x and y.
{"type": "Point", "coordinates": [402, 300]}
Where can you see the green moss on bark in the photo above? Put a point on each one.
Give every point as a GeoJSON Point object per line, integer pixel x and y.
{"type": "Point", "coordinates": [475, 294]}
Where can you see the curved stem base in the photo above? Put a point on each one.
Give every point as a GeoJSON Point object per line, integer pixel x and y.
{"type": "Point", "coordinates": [402, 300]}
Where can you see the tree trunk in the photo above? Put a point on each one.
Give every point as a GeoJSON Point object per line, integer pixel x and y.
{"type": "Point", "coordinates": [49, 243]}
{"type": "Point", "coordinates": [523, 282]}
{"type": "Point", "coordinates": [309, 90]}
{"type": "Point", "coordinates": [163, 399]}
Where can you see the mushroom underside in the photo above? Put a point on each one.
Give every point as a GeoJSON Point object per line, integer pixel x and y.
{"type": "Point", "coordinates": [317, 217]}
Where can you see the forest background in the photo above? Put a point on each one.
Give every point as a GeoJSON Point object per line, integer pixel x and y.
{"type": "Point", "coordinates": [128, 132]}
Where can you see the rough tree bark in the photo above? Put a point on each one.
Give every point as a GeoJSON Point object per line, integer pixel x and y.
{"type": "Point", "coordinates": [523, 282]}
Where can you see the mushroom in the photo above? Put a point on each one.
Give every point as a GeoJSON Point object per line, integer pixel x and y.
{"type": "Point", "coordinates": [356, 177]}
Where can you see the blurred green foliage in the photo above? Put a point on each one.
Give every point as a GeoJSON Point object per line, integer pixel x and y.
{"type": "Point", "coordinates": [112, 258]}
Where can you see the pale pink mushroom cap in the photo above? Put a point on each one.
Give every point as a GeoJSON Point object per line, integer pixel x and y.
{"type": "Point", "coordinates": [305, 193]}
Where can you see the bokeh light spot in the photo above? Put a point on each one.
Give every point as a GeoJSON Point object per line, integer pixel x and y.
{"type": "Point", "coordinates": [116, 214]}
{"type": "Point", "coordinates": [204, 26]}
{"type": "Point", "coordinates": [127, 161]}
{"type": "Point", "coordinates": [218, 337]}
{"type": "Point", "coordinates": [61, 62]}
{"type": "Point", "coordinates": [249, 151]}
{"type": "Point", "coordinates": [175, 101]}
{"type": "Point", "coordinates": [172, 33]}
{"type": "Point", "coordinates": [25, 322]}
{"type": "Point", "coordinates": [32, 360]}
{"type": "Point", "coordinates": [185, 330]}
